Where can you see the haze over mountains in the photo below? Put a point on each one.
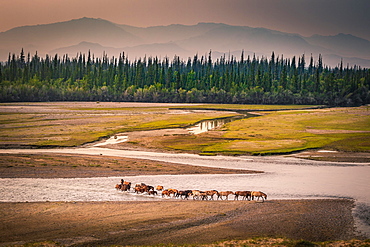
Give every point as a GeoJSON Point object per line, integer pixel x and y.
{"type": "Point", "coordinates": [98, 36]}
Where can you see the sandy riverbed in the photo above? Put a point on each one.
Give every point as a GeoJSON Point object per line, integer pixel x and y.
{"type": "Point", "coordinates": [178, 222]}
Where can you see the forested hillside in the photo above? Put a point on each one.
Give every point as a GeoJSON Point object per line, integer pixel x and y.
{"type": "Point", "coordinates": [242, 80]}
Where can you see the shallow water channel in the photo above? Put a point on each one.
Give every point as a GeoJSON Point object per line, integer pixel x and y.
{"type": "Point", "coordinates": [206, 125]}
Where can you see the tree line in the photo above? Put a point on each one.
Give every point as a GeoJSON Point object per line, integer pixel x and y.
{"type": "Point", "coordinates": [200, 79]}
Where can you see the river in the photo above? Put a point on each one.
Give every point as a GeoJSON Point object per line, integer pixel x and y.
{"type": "Point", "coordinates": [283, 178]}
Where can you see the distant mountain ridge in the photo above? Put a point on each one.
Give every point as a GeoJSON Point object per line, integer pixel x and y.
{"type": "Point", "coordinates": [347, 44]}
{"type": "Point", "coordinates": [98, 36]}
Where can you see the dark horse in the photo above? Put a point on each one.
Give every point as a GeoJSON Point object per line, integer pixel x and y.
{"type": "Point", "coordinates": [244, 194]}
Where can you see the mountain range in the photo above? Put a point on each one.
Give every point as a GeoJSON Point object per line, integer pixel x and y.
{"type": "Point", "coordinates": [101, 36]}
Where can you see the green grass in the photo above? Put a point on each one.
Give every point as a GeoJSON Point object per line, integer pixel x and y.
{"type": "Point", "coordinates": [344, 129]}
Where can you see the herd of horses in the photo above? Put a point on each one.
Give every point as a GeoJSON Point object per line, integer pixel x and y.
{"type": "Point", "coordinates": [195, 194]}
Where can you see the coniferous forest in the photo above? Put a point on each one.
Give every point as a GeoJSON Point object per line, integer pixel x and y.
{"type": "Point", "coordinates": [200, 79]}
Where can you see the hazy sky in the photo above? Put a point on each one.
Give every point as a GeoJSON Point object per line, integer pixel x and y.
{"type": "Point", "coordinates": [305, 17]}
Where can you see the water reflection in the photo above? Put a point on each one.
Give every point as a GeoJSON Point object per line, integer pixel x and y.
{"type": "Point", "coordinates": [206, 125]}
{"type": "Point", "coordinates": [200, 127]}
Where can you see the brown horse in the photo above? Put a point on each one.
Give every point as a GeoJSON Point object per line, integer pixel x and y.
{"type": "Point", "coordinates": [211, 193]}
{"type": "Point", "coordinates": [139, 189]}
{"type": "Point", "coordinates": [244, 194]}
{"type": "Point", "coordinates": [224, 193]}
{"type": "Point", "coordinates": [125, 187]}
{"type": "Point", "coordinates": [199, 195]}
{"type": "Point", "coordinates": [166, 193]}
{"type": "Point", "coordinates": [159, 187]}
{"type": "Point", "coordinates": [258, 195]}
{"type": "Point", "coordinates": [119, 186]}
{"type": "Point", "coordinates": [173, 192]}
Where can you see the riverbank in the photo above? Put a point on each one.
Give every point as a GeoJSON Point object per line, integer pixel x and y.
{"type": "Point", "coordinates": [54, 165]}
{"type": "Point", "coordinates": [176, 222]}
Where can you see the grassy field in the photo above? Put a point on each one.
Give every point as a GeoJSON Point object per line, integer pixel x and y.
{"type": "Point", "coordinates": [274, 130]}
{"type": "Point", "coordinates": [69, 124]}
{"type": "Point", "coordinates": [280, 132]}
{"type": "Point", "coordinates": [343, 129]}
